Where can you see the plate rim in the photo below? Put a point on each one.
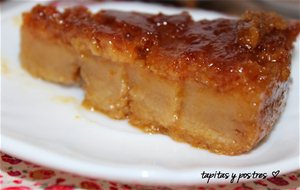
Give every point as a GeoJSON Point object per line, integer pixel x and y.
{"type": "Point", "coordinates": [12, 146]}
{"type": "Point", "coordinates": [24, 150]}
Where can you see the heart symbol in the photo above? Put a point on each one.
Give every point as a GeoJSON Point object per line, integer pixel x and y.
{"type": "Point", "coordinates": [275, 173]}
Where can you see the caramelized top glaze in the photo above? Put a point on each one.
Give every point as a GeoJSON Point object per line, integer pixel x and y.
{"type": "Point", "coordinates": [250, 52]}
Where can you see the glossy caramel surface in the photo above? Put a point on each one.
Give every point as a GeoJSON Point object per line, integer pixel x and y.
{"type": "Point", "coordinates": [248, 53]}
{"type": "Point", "coordinates": [215, 84]}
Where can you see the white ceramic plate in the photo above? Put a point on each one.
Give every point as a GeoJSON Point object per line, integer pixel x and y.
{"type": "Point", "coordinates": [45, 123]}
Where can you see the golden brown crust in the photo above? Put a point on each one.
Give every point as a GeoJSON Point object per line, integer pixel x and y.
{"type": "Point", "coordinates": [223, 53]}
{"type": "Point", "coordinates": [220, 84]}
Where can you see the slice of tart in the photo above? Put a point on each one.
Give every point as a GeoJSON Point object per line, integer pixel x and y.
{"type": "Point", "coordinates": [217, 84]}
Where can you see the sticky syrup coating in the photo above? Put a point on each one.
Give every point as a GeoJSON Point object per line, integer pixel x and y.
{"type": "Point", "coordinates": [245, 65]}
{"type": "Point", "coordinates": [222, 53]}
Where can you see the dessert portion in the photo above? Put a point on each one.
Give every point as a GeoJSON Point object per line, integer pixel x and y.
{"type": "Point", "coordinates": [217, 84]}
